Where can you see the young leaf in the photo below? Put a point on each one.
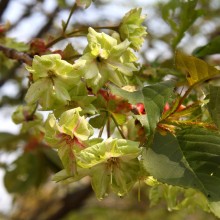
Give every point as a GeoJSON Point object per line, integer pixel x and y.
{"type": "Point", "coordinates": [196, 70]}
{"type": "Point", "coordinates": [69, 52]}
{"type": "Point", "coordinates": [214, 104]}
{"type": "Point", "coordinates": [189, 160]}
{"type": "Point", "coordinates": [99, 120]}
{"type": "Point", "coordinates": [154, 98]}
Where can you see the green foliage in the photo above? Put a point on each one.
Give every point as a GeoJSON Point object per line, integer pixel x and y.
{"type": "Point", "coordinates": [189, 160]}
{"type": "Point", "coordinates": [109, 122]}
{"type": "Point", "coordinates": [154, 97]}
{"type": "Point", "coordinates": [180, 15]}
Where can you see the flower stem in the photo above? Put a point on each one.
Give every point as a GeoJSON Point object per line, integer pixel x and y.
{"type": "Point", "coordinates": [119, 129]}
{"type": "Point", "coordinates": [73, 9]}
{"type": "Point", "coordinates": [108, 128]}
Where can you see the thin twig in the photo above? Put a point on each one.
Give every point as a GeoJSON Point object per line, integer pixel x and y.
{"type": "Point", "coordinates": [70, 15]}
{"type": "Point", "coordinates": [119, 129]}
{"type": "Point", "coordinates": [108, 127]}
{"type": "Point", "coordinates": [83, 31]}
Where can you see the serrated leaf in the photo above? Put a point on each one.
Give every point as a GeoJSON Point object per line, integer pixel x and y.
{"type": "Point", "coordinates": [214, 104]}
{"type": "Point", "coordinates": [154, 98]}
{"type": "Point", "coordinates": [213, 47]}
{"type": "Point", "coordinates": [191, 160]}
{"type": "Point", "coordinates": [196, 70]}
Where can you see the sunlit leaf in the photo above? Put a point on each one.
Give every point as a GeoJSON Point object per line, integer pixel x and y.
{"type": "Point", "coordinates": [196, 70]}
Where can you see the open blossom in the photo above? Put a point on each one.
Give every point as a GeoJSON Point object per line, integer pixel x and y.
{"type": "Point", "coordinates": [105, 59]}
{"type": "Point", "coordinates": [131, 28]}
{"type": "Point", "coordinates": [52, 78]}
{"type": "Point", "coordinates": [68, 135]}
{"type": "Point", "coordinates": [113, 164]}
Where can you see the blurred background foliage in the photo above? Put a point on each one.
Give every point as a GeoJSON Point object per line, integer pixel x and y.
{"type": "Point", "coordinates": [28, 163]}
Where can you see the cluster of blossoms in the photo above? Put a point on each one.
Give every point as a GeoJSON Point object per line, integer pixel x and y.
{"type": "Point", "coordinates": [72, 92]}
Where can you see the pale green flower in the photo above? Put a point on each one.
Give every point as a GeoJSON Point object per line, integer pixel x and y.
{"type": "Point", "coordinates": [68, 135]}
{"type": "Point", "coordinates": [131, 28]}
{"type": "Point", "coordinates": [52, 79]}
{"type": "Point", "coordinates": [32, 122]}
{"type": "Point", "coordinates": [114, 165]}
{"type": "Point", "coordinates": [105, 59]}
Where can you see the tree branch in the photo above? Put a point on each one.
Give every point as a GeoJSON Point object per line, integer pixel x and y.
{"type": "Point", "coordinates": [16, 55]}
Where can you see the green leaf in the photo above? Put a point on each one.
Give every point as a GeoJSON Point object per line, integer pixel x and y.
{"type": "Point", "coordinates": [99, 120]}
{"type": "Point", "coordinates": [214, 104]}
{"type": "Point", "coordinates": [213, 47]}
{"type": "Point", "coordinates": [69, 52]}
{"type": "Point", "coordinates": [154, 98]}
{"type": "Point", "coordinates": [191, 160]}
{"type": "Point", "coordinates": [196, 70]}
{"type": "Point", "coordinates": [180, 15]}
